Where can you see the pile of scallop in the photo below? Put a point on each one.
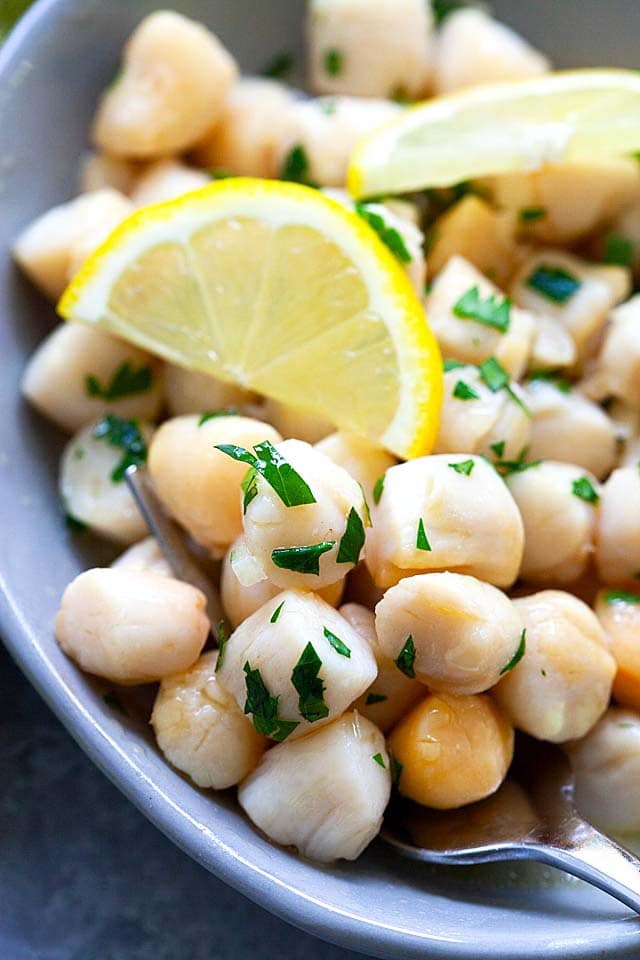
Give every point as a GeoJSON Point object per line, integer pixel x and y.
{"type": "Point", "coordinates": [388, 625]}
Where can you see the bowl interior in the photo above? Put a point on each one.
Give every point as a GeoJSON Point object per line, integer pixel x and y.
{"type": "Point", "coordinates": [51, 71]}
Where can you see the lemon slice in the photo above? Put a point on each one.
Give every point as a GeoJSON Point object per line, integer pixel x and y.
{"type": "Point", "coordinates": [278, 288]}
{"type": "Point", "coordinates": [572, 116]}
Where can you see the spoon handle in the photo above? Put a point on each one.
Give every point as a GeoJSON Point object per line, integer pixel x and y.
{"type": "Point", "coordinates": [588, 854]}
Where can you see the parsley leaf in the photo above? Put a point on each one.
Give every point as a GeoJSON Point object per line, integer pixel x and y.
{"type": "Point", "coordinates": [338, 645]}
{"type": "Point", "coordinates": [584, 489]}
{"type": "Point", "coordinates": [264, 707]}
{"type": "Point", "coordinates": [618, 250]}
{"type": "Point", "coordinates": [389, 235]}
{"type": "Point", "coordinates": [125, 382]}
{"type": "Point", "coordinates": [279, 67]}
{"type": "Point", "coordinates": [74, 525]}
{"type": "Point", "coordinates": [396, 769]}
{"type": "Point", "coordinates": [498, 448]}
{"type": "Point", "coordinates": [496, 378]}
{"type": "Point", "coordinates": [406, 659]}
{"type": "Point", "coordinates": [422, 542]}
{"type": "Point", "coordinates": [550, 376]}
{"type": "Point", "coordinates": [302, 559]}
{"type": "Point", "coordinates": [442, 8]}
{"type": "Point", "coordinates": [249, 487]}
{"type": "Point", "coordinates": [126, 435]}
{"type": "Point", "coordinates": [378, 758]}
{"type": "Point", "coordinates": [353, 540]}
{"type": "Point", "coordinates": [275, 469]}
{"type": "Point", "coordinates": [214, 414]}
{"type": "Point", "coordinates": [554, 283]}
{"type": "Point", "coordinates": [309, 685]}
{"type": "Point", "coordinates": [378, 489]}
{"type": "Point", "coordinates": [375, 698]}
{"type": "Point", "coordinates": [507, 467]}
{"type": "Point", "coordinates": [296, 166]}
{"type": "Point", "coordinates": [463, 466]}
{"type": "Point", "coordinates": [531, 214]}
{"type": "Point", "coordinates": [452, 365]}
{"type": "Point", "coordinates": [621, 596]}
{"type": "Point", "coordinates": [518, 655]}
{"type": "Point", "coordinates": [276, 613]}
{"type": "Point", "coordinates": [222, 644]}
{"type": "Point", "coordinates": [462, 391]}
{"type": "Point", "coordinates": [333, 61]}
{"type": "Point", "coordinates": [493, 312]}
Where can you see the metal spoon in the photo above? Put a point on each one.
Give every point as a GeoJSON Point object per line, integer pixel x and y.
{"type": "Point", "coordinates": [532, 817]}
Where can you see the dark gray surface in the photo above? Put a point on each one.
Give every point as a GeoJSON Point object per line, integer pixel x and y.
{"type": "Point", "coordinates": [84, 876]}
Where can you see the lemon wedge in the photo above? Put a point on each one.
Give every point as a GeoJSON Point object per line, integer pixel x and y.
{"type": "Point", "coordinates": [570, 116]}
{"type": "Point", "coordinates": [277, 288]}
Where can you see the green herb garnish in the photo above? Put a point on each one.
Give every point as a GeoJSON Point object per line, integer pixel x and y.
{"type": "Point", "coordinates": [462, 391]}
{"type": "Point", "coordinates": [279, 67]}
{"type": "Point", "coordinates": [275, 469]}
{"type": "Point", "coordinates": [584, 489]}
{"type": "Point", "coordinates": [518, 655]}
{"type": "Point", "coordinates": [496, 378]}
{"type": "Point", "coordinates": [249, 487]}
{"type": "Point", "coordinates": [264, 708]}
{"type": "Point", "coordinates": [396, 769]}
{"type": "Point", "coordinates": [554, 283]}
{"type": "Point", "coordinates": [389, 235]}
{"type": "Point", "coordinates": [422, 542]}
{"type": "Point", "coordinates": [618, 250]}
{"type": "Point", "coordinates": [125, 382]}
{"type": "Point", "coordinates": [620, 596]}
{"type": "Point", "coordinates": [494, 312]}
{"type": "Point", "coordinates": [333, 61]}
{"type": "Point", "coordinates": [406, 659]}
{"type": "Point", "coordinates": [309, 685]}
{"type": "Point", "coordinates": [531, 214]}
{"type": "Point", "coordinates": [221, 632]}
{"type": "Point", "coordinates": [214, 414]}
{"type": "Point", "coordinates": [74, 525]}
{"type": "Point", "coordinates": [276, 613]}
{"type": "Point", "coordinates": [378, 489]}
{"type": "Point", "coordinates": [353, 539]}
{"type": "Point", "coordinates": [338, 645]}
{"type": "Point", "coordinates": [302, 559]}
{"type": "Point", "coordinates": [550, 376]}
{"type": "Point", "coordinates": [126, 435]}
{"type": "Point", "coordinates": [498, 448]}
{"type": "Point", "coordinates": [296, 166]}
{"type": "Point", "coordinates": [464, 466]}
{"type": "Point", "coordinates": [375, 698]}
{"type": "Point", "coordinates": [452, 365]}
{"type": "Point", "coordinates": [507, 467]}
{"type": "Point", "coordinates": [377, 758]}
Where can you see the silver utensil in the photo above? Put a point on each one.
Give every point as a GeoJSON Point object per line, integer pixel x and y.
{"type": "Point", "coordinates": [532, 817]}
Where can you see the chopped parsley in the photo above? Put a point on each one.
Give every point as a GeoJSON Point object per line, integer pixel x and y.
{"type": "Point", "coordinates": [338, 645]}
{"type": "Point", "coordinates": [375, 698]}
{"type": "Point", "coordinates": [396, 769]}
{"type": "Point", "coordinates": [494, 312]}
{"type": "Point", "coordinates": [463, 466]}
{"type": "Point", "coordinates": [309, 685]}
{"type": "Point", "coordinates": [531, 214]}
{"type": "Point", "coordinates": [507, 467]}
{"type": "Point", "coordinates": [126, 435]}
{"type": "Point", "coordinates": [378, 489]}
{"type": "Point", "coordinates": [275, 469]}
{"type": "Point", "coordinates": [302, 559]}
{"type": "Point", "coordinates": [498, 448]}
{"type": "Point", "coordinates": [518, 655]}
{"type": "Point", "coordinates": [543, 672]}
{"type": "Point", "coordinates": [555, 379]}
{"type": "Point", "coordinates": [584, 489]}
{"type": "Point", "coordinates": [365, 508]}
{"type": "Point", "coordinates": [406, 659]}
{"type": "Point", "coordinates": [353, 540]}
{"type": "Point", "coordinates": [280, 67]}
{"type": "Point", "coordinates": [214, 414]}
{"type": "Point", "coordinates": [496, 378]}
{"type": "Point", "coordinates": [264, 708]}
{"type": "Point", "coordinates": [276, 613]}
{"type": "Point", "coordinates": [125, 382]}
{"type": "Point", "coordinates": [296, 166]}
{"type": "Point", "coordinates": [452, 365]}
{"type": "Point", "coordinates": [378, 758]}
{"type": "Point", "coordinates": [462, 391]}
{"type": "Point", "coordinates": [620, 596]}
{"type": "Point", "coordinates": [222, 643]}
{"type": "Point", "coordinates": [74, 525]}
{"type": "Point", "coordinates": [389, 235]}
{"type": "Point", "coordinates": [554, 283]}
{"type": "Point", "coordinates": [422, 542]}
{"type": "Point", "coordinates": [333, 61]}
{"type": "Point", "coordinates": [618, 250]}
{"type": "Point", "coordinates": [249, 487]}
{"type": "Point", "coordinates": [442, 8]}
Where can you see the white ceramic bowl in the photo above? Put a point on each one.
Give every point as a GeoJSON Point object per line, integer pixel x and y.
{"type": "Point", "coordinates": [51, 70]}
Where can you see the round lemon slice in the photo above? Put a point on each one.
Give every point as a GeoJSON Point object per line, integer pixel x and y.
{"type": "Point", "coordinates": [572, 116]}
{"type": "Point", "coordinates": [280, 289]}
